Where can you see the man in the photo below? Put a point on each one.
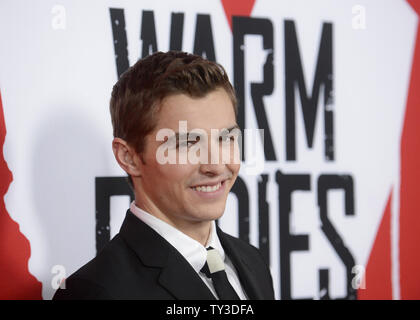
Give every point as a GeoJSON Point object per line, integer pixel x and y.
{"type": "Point", "coordinates": [169, 246]}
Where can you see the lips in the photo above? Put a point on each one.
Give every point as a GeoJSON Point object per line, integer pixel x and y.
{"type": "Point", "coordinates": [210, 190]}
{"type": "Point", "coordinates": [209, 183]}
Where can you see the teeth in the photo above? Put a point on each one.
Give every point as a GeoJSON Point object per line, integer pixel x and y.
{"type": "Point", "coordinates": [208, 188]}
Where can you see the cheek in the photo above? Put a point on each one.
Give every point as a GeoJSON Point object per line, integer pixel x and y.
{"type": "Point", "coordinates": [234, 168]}
{"type": "Point", "coordinates": [235, 155]}
{"type": "Point", "coordinates": [175, 174]}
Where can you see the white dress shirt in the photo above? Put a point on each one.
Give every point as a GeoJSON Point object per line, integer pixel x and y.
{"type": "Point", "coordinates": [193, 251]}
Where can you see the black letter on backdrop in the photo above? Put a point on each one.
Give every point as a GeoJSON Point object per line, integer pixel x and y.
{"type": "Point", "coordinates": [148, 33]}
{"type": "Point", "coordinates": [120, 39]}
{"type": "Point", "coordinates": [295, 77]}
{"type": "Point", "coordinates": [177, 29]}
{"type": "Point", "coordinates": [288, 184]}
{"type": "Point", "coordinates": [327, 182]}
{"type": "Point", "coordinates": [105, 187]}
{"type": "Point", "coordinates": [241, 192]}
{"type": "Point", "coordinates": [264, 218]}
{"type": "Point", "coordinates": [203, 41]}
{"type": "Point", "coordinates": [242, 26]}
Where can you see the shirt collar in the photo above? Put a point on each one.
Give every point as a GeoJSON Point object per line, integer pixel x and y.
{"type": "Point", "coordinates": [193, 251]}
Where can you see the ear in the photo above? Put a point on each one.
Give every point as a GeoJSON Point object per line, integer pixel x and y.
{"type": "Point", "coordinates": [126, 157]}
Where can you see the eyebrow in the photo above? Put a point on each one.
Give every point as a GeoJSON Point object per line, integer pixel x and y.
{"type": "Point", "coordinates": [185, 135]}
{"type": "Point", "coordinates": [236, 126]}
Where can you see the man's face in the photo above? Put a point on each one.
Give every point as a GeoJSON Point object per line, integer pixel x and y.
{"type": "Point", "coordinates": [184, 194]}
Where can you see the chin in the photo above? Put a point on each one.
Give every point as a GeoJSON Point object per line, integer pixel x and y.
{"type": "Point", "coordinates": [210, 215]}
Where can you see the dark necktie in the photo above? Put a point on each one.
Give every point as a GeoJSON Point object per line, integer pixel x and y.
{"type": "Point", "coordinates": [214, 268]}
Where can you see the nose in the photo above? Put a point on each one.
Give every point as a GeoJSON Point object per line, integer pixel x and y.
{"type": "Point", "coordinates": [214, 165]}
{"type": "Point", "coordinates": [212, 170]}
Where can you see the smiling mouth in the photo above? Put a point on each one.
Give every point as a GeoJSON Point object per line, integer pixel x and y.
{"type": "Point", "coordinates": [210, 190]}
{"type": "Point", "coordinates": [205, 188]}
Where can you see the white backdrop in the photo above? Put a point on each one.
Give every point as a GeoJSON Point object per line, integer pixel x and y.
{"type": "Point", "coordinates": [57, 69]}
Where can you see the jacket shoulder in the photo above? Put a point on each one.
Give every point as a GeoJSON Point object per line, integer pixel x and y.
{"type": "Point", "coordinates": [93, 279]}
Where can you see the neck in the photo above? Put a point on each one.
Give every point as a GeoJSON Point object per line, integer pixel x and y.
{"type": "Point", "coordinates": [197, 230]}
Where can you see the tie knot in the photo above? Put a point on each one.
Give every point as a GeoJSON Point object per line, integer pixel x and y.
{"type": "Point", "coordinates": [214, 262]}
{"type": "Point", "coordinates": [214, 268]}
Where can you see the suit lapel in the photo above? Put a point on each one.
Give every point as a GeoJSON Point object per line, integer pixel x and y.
{"type": "Point", "coordinates": [245, 272]}
{"type": "Point", "coordinates": [179, 278]}
{"type": "Point", "coordinates": [177, 275]}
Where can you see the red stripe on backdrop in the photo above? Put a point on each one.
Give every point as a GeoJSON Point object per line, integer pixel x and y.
{"type": "Point", "coordinates": [15, 280]}
{"type": "Point", "coordinates": [410, 182]}
{"type": "Point", "coordinates": [378, 277]}
{"type": "Point", "coordinates": [237, 8]}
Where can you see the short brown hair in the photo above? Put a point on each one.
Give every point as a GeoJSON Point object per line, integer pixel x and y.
{"type": "Point", "coordinates": [136, 96]}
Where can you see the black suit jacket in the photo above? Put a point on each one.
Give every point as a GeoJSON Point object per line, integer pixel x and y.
{"type": "Point", "coordinates": [140, 264]}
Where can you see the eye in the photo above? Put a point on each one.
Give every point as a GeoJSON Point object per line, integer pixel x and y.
{"type": "Point", "coordinates": [187, 143]}
{"type": "Point", "coordinates": [227, 137]}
